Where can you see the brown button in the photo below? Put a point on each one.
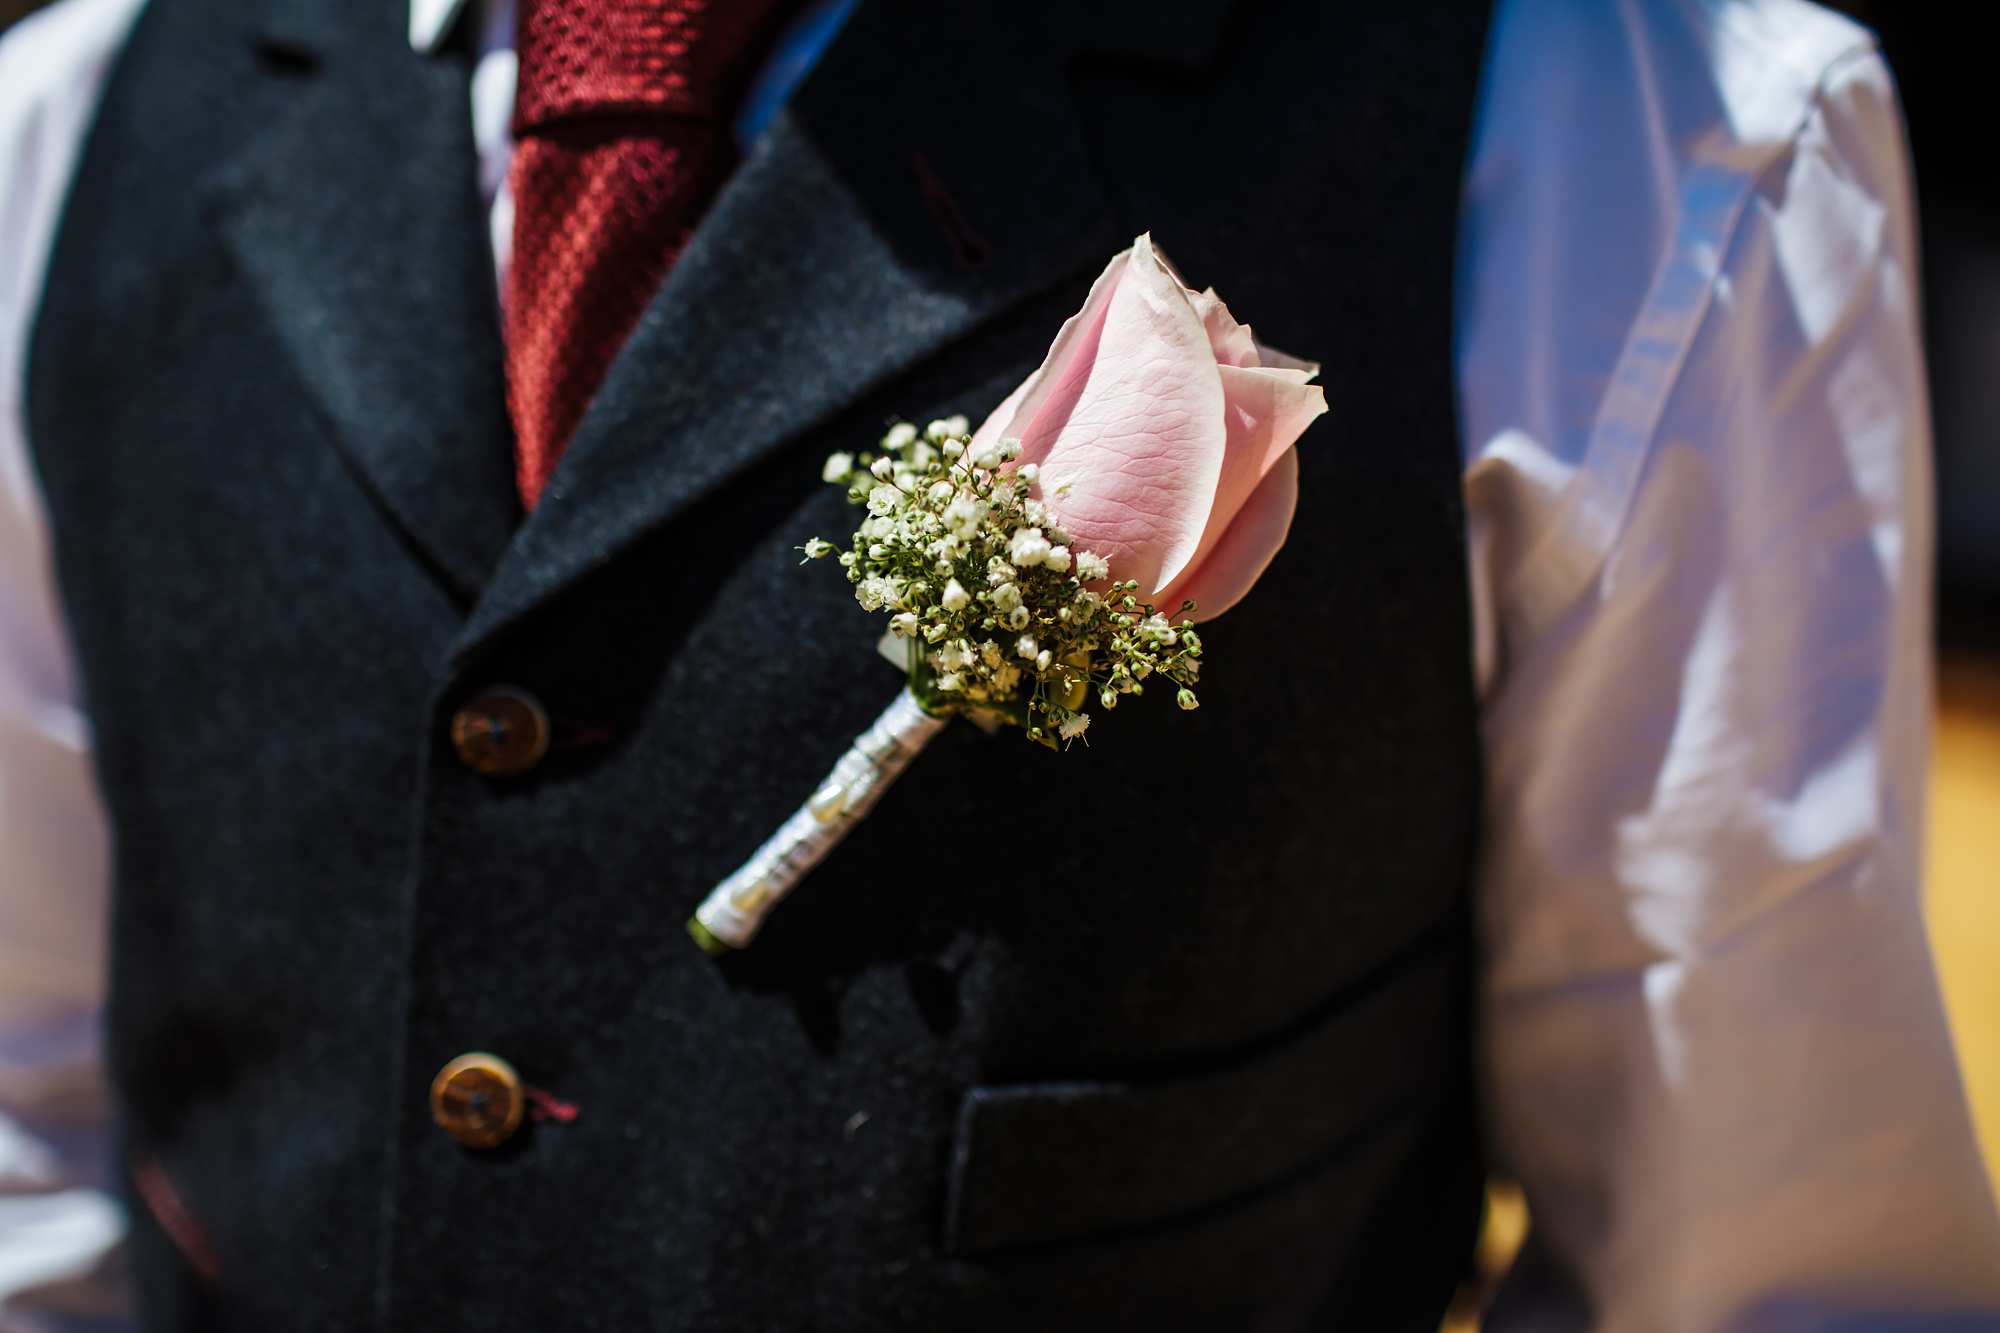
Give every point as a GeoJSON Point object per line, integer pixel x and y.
{"type": "Point", "coordinates": [501, 732]}
{"type": "Point", "coordinates": [477, 1099]}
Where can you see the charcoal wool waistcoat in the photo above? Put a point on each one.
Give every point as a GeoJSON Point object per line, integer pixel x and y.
{"type": "Point", "coordinates": [1165, 1032]}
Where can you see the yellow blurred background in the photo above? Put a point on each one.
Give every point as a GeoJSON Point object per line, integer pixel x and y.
{"type": "Point", "coordinates": [1962, 876]}
{"type": "Point", "coordinates": [1961, 903]}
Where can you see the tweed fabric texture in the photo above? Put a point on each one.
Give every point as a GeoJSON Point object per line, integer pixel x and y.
{"type": "Point", "coordinates": [621, 115]}
{"type": "Point", "coordinates": [270, 328]}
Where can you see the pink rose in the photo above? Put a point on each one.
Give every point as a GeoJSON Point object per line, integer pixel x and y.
{"type": "Point", "coordinates": [1163, 434]}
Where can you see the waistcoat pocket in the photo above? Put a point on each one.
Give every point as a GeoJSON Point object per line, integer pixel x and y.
{"type": "Point", "coordinates": [1045, 1163]}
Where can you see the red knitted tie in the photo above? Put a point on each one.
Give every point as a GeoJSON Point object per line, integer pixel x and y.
{"type": "Point", "coordinates": [622, 125]}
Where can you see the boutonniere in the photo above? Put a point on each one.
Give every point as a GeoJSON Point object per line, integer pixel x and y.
{"type": "Point", "coordinates": [1058, 558]}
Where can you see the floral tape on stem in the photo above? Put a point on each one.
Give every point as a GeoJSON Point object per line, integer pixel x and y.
{"type": "Point", "coordinates": [730, 916]}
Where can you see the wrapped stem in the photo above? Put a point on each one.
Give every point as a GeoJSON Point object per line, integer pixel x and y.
{"type": "Point", "coordinates": [730, 916]}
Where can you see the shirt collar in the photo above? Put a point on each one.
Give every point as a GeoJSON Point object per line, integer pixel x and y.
{"type": "Point", "coordinates": [430, 23]}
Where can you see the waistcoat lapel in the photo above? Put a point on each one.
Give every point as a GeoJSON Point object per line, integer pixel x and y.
{"type": "Point", "coordinates": [355, 216]}
{"type": "Point", "coordinates": [927, 176]}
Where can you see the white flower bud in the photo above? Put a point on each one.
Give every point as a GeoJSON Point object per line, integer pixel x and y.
{"type": "Point", "coordinates": [1025, 647]}
{"type": "Point", "coordinates": [883, 468]}
{"type": "Point", "coordinates": [963, 516]}
{"type": "Point", "coordinates": [1108, 697]}
{"type": "Point", "coordinates": [1029, 473]}
{"type": "Point", "coordinates": [1091, 567]}
{"type": "Point", "coordinates": [839, 467]}
{"type": "Point", "coordinates": [956, 424]}
{"type": "Point", "coordinates": [1057, 558]}
{"type": "Point", "coordinates": [1018, 618]}
{"type": "Point", "coordinates": [1007, 599]}
{"type": "Point", "coordinates": [815, 548]}
{"type": "Point", "coordinates": [899, 436]}
{"type": "Point", "coordinates": [955, 598]}
{"type": "Point", "coordinates": [1187, 700]}
{"type": "Point", "coordinates": [1010, 449]}
{"type": "Point", "coordinates": [989, 652]}
{"type": "Point", "coordinates": [938, 431]}
{"type": "Point", "coordinates": [988, 455]}
{"type": "Point", "coordinates": [904, 625]}
{"type": "Point", "coordinates": [952, 449]}
{"type": "Point", "coordinates": [1028, 547]}
{"type": "Point", "coordinates": [1043, 658]}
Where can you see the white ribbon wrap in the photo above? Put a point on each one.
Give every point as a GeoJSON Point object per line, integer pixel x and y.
{"type": "Point", "coordinates": [738, 905]}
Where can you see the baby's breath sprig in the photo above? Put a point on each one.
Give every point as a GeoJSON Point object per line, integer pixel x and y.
{"type": "Point", "coordinates": [1008, 623]}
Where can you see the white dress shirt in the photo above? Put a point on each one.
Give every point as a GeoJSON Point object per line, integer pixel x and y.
{"type": "Point", "coordinates": [59, 1220]}
{"type": "Point", "coordinates": [1698, 493]}
{"type": "Point", "coordinates": [1700, 506]}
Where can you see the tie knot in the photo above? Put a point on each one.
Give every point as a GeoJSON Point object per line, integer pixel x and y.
{"type": "Point", "coordinates": [621, 57]}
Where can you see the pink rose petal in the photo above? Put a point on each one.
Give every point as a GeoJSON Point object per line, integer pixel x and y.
{"type": "Point", "coordinates": [1076, 343]}
{"type": "Point", "coordinates": [1133, 427]}
{"type": "Point", "coordinates": [1163, 432]}
{"type": "Point", "coordinates": [1246, 549]}
{"type": "Point", "coordinates": [1231, 342]}
{"type": "Point", "coordinates": [1264, 411]}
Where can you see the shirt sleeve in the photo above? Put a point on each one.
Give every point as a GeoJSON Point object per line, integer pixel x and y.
{"type": "Point", "coordinates": [60, 1223]}
{"type": "Point", "coordinates": [1700, 522]}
